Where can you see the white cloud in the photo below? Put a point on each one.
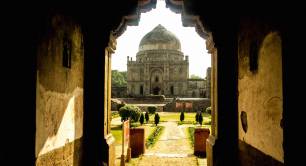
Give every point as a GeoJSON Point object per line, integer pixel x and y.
{"type": "Point", "coordinates": [191, 43]}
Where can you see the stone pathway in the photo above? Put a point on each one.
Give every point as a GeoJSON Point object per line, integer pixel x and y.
{"type": "Point", "coordinates": [172, 149]}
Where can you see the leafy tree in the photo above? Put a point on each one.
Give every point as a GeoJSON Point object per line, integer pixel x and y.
{"type": "Point", "coordinates": [156, 119]}
{"type": "Point", "coordinates": [193, 76]}
{"type": "Point", "coordinates": [208, 110]}
{"type": "Point", "coordinates": [200, 119]}
{"type": "Point", "coordinates": [119, 78]}
{"type": "Point", "coordinates": [130, 111]}
{"type": "Point", "coordinates": [182, 117]}
{"type": "Point", "coordinates": [141, 120]}
{"type": "Point", "coordinates": [152, 109]}
{"type": "Point", "coordinates": [147, 117]}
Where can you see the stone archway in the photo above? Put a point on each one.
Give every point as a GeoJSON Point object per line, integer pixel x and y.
{"type": "Point", "coordinates": [156, 82]}
{"type": "Point", "coordinates": [156, 86]}
{"type": "Point", "coordinates": [156, 90]}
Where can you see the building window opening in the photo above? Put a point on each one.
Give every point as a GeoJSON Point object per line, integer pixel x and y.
{"type": "Point", "coordinates": [141, 90]}
{"type": "Point", "coordinates": [172, 90]}
{"type": "Point", "coordinates": [156, 79]}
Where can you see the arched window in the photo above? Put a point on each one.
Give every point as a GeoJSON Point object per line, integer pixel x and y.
{"type": "Point", "coordinates": [156, 79]}
{"type": "Point", "coordinates": [141, 90]}
{"type": "Point", "coordinates": [172, 90]}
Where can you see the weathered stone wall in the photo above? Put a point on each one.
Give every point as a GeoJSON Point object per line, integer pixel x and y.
{"type": "Point", "coordinates": [260, 101]}
{"type": "Point", "coordinates": [59, 94]}
{"type": "Point", "coordinates": [196, 88]}
{"type": "Point", "coordinates": [144, 108]}
{"type": "Point", "coordinates": [197, 104]}
{"type": "Point", "coordinates": [70, 154]}
{"type": "Point", "coordinates": [119, 92]}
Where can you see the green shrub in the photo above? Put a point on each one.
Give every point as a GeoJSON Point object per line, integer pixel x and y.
{"type": "Point", "coordinates": [152, 109]}
{"type": "Point", "coordinates": [200, 119]}
{"type": "Point", "coordinates": [130, 111]}
{"type": "Point", "coordinates": [120, 105]}
{"type": "Point", "coordinates": [182, 117]}
{"type": "Point", "coordinates": [147, 117]}
{"type": "Point", "coordinates": [154, 136]}
{"type": "Point", "coordinates": [191, 135]}
{"type": "Point", "coordinates": [156, 119]}
{"type": "Point", "coordinates": [208, 110]}
{"type": "Point", "coordinates": [197, 117]}
{"type": "Point", "coordinates": [141, 120]}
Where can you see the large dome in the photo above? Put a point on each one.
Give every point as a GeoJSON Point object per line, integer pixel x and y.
{"type": "Point", "coordinates": [159, 38]}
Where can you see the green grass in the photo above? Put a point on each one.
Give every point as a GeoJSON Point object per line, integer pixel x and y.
{"type": "Point", "coordinates": [117, 133]}
{"type": "Point", "coordinates": [154, 136]}
{"type": "Point", "coordinates": [115, 114]}
{"type": "Point", "coordinates": [191, 135]}
{"type": "Point", "coordinates": [175, 116]}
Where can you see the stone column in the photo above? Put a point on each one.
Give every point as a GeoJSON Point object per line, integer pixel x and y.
{"type": "Point", "coordinates": [109, 50]}
{"type": "Point", "coordinates": [210, 46]}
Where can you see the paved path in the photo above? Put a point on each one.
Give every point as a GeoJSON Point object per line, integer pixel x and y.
{"type": "Point", "coordinates": [172, 149]}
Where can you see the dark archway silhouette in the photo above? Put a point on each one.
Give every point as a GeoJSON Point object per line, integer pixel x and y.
{"type": "Point", "coordinates": [156, 90]}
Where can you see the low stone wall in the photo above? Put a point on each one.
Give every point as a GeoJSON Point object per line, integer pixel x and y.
{"type": "Point", "coordinates": [144, 108]}
{"type": "Point", "coordinates": [188, 105]}
{"type": "Point", "coordinates": [155, 99]}
{"type": "Point", "coordinates": [167, 104]}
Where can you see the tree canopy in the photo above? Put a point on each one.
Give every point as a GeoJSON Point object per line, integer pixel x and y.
{"type": "Point", "coordinates": [195, 77]}
{"type": "Point", "coordinates": [119, 78]}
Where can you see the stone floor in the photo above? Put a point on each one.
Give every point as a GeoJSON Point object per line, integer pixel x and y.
{"type": "Point", "coordinates": [172, 149]}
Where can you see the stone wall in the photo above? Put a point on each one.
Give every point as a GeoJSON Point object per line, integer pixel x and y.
{"type": "Point", "coordinates": [260, 100]}
{"type": "Point", "coordinates": [59, 94]}
{"type": "Point", "coordinates": [144, 108]}
{"type": "Point", "coordinates": [188, 104]}
{"type": "Point", "coordinates": [118, 92]}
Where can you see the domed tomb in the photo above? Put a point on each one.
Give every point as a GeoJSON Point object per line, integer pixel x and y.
{"type": "Point", "coordinates": [159, 38]}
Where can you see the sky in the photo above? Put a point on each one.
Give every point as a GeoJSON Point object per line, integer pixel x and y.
{"type": "Point", "coordinates": [191, 43]}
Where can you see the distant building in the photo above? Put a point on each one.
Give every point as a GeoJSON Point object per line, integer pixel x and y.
{"type": "Point", "coordinates": [161, 68]}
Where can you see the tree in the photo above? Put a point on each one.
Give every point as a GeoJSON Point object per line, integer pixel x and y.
{"type": "Point", "coordinates": [120, 105]}
{"type": "Point", "coordinates": [141, 120]}
{"type": "Point", "coordinates": [147, 117]}
{"type": "Point", "coordinates": [156, 119]}
{"type": "Point", "coordinates": [182, 117]}
{"type": "Point", "coordinates": [200, 119]}
{"type": "Point", "coordinates": [119, 78]}
{"type": "Point", "coordinates": [130, 111]}
{"type": "Point", "coordinates": [152, 109]}
{"type": "Point", "coordinates": [193, 76]}
{"type": "Point", "coordinates": [208, 110]}
{"type": "Point", "coordinates": [197, 117]}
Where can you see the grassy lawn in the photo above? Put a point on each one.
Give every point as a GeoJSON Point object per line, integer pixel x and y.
{"type": "Point", "coordinates": [175, 116]}
{"type": "Point", "coordinates": [190, 133]}
{"type": "Point", "coordinates": [164, 117]}
{"type": "Point", "coordinates": [117, 132]}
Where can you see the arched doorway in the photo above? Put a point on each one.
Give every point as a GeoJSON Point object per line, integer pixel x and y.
{"type": "Point", "coordinates": [156, 90]}
{"type": "Point", "coordinates": [156, 81]}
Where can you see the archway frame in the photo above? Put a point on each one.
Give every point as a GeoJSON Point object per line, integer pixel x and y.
{"type": "Point", "coordinates": [188, 20]}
